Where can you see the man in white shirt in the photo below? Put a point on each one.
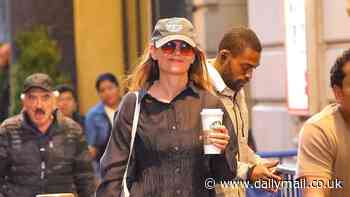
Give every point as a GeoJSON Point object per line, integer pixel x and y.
{"type": "Point", "coordinates": [238, 56]}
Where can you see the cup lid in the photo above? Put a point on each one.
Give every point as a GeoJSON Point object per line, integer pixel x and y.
{"type": "Point", "coordinates": [207, 111]}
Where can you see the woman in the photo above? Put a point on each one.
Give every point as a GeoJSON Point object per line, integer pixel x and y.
{"type": "Point", "coordinates": [168, 158]}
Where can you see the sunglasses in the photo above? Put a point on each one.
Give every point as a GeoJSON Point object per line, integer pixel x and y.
{"type": "Point", "coordinates": [184, 48]}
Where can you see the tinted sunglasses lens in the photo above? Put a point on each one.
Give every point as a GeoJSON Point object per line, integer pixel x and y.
{"type": "Point", "coordinates": [168, 47]}
{"type": "Point", "coordinates": [186, 49]}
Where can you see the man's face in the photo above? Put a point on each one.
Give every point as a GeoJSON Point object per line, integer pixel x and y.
{"type": "Point", "coordinates": [4, 55]}
{"type": "Point", "coordinates": [66, 103]}
{"type": "Point", "coordinates": [39, 105]}
{"type": "Point", "coordinates": [109, 93]}
{"type": "Point", "coordinates": [239, 70]}
{"type": "Point", "coordinates": [342, 94]}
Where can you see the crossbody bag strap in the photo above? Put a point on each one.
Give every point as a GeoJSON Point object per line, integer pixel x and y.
{"type": "Point", "coordinates": [133, 134]}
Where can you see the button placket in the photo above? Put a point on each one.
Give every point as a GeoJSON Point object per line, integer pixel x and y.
{"type": "Point", "coordinates": [176, 148]}
{"type": "Point", "coordinates": [172, 120]}
{"type": "Point", "coordinates": [178, 192]}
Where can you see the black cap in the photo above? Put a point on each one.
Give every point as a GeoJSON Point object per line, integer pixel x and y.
{"type": "Point", "coordinates": [38, 80]}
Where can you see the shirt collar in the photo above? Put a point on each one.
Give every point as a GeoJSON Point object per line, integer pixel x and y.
{"type": "Point", "coordinates": [109, 109]}
{"type": "Point", "coordinates": [190, 86]}
{"type": "Point", "coordinates": [217, 82]}
{"type": "Point", "coordinates": [100, 108]}
{"type": "Point", "coordinates": [215, 78]}
{"type": "Point", "coordinates": [228, 92]}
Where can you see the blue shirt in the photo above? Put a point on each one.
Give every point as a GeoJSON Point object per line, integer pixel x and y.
{"type": "Point", "coordinates": [98, 128]}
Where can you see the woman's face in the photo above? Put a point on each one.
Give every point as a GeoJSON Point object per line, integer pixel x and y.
{"type": "Point", "coordinates": [174, 57]}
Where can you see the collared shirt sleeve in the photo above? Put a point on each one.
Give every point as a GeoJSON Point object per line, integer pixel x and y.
{"type": "Point", "coordinates": [254, 158]}
{"type": "Point", "coordinates": [242, 167]}
{"type": "Point", "coordinates": [242, 170]}
{"type": "Point", "coordinates": [113, 162]}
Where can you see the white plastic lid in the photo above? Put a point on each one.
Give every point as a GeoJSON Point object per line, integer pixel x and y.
{"type": "Point", "coordinates": [212, 112]}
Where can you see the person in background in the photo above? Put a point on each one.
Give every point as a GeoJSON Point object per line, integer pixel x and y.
{"type": "Point", "coordinates": [168, 157]}
{"type": "Point", "coordinates": [5, 56]}
{"type": "Point", "coordinates": [323, 152]}
{"type": "Point", "coordinates": [67, 103]}
{"type": "Point", "coordinates": [238, 56]}
{"type": "Point", "coordinates": [41, 151]}
{"type": "Point", "coordinates": [99, 119]}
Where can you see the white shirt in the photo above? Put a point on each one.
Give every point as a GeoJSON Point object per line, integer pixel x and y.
{"type": "Point", "coordinates": [110, 113]}
{"type": "Point", "coordinates": [215, 77]}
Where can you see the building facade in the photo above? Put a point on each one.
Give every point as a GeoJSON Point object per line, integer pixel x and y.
{"type": "Point", "coordinates": [274, 127]}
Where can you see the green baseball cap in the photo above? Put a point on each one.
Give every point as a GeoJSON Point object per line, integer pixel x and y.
{"type": "Point", "coordinates": [38, 80]}
{"type": "Point", "coordinates": [175, 28]}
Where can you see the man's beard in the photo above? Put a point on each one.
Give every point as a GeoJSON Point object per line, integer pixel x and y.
{"type": "Point", "coordinates": [234, 85]}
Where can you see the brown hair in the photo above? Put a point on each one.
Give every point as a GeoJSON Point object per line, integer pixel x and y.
{"type": "Point", "coordinates": [148, 71]}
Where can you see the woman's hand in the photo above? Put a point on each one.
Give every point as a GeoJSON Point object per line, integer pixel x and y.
{"type": "Point", "coordinates": [219, 137]}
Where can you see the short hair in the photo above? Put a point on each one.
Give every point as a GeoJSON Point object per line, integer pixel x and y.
{"type": "Point", "coordinates": [238, 39]}
{"type": "Point", "coordinates": [105, 77]}
{"type": "Point", "coordinates": [337, 74]}
{"type": "Point", "coordinates": [66, 88]}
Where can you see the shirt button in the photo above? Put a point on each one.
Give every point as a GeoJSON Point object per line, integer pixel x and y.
{"type": "Point", "coordinates": [177, 170]}
{"type": "Point", "coordinates": [178, 192]}
{"type": "Point", "coordinates": [176, 148]}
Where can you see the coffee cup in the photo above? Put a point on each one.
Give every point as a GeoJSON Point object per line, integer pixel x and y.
{"type": "Point", "coordinates": [211, 119]}
{"type": "Point", "coordinates": [56, 195]}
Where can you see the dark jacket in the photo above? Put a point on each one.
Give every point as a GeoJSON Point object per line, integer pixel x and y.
{"type": "Point", "coordinates": [33, 163]}
{"type": "Point", "coordinates": [4, 94]}
{"type": "Point", "coordinates": [80, 119]}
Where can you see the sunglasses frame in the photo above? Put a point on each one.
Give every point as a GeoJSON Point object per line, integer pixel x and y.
{"type": "Point", "coordinates": [184, 48]}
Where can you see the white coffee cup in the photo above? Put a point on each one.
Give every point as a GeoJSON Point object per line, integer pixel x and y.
{"type": "Point", "coordinates": [56, 195]}
{"type": "Point", "coordinates": [211, 118]}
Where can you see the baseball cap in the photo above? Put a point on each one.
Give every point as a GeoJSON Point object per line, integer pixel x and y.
{"type": "Point", "coordinates": [175, 28]}
{"type": "Point", "coordinates": [38, 80]}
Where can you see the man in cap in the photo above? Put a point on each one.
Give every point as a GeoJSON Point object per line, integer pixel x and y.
{"type": "Point", "coordinates": [41, 151]}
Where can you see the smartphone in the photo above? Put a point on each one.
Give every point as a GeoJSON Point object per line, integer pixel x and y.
{"type": "Point", "coordinates": [286, 169]}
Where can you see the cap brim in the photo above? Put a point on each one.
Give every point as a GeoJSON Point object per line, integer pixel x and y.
{"type": "Point", "coordinates": [40, 87]}
{"type": "Point", "coordinates": [166, 39]}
